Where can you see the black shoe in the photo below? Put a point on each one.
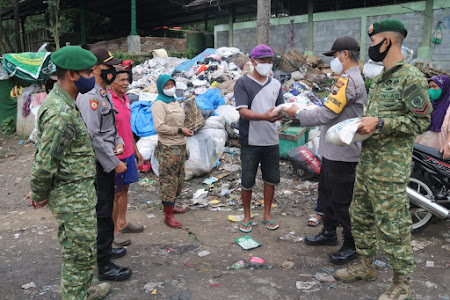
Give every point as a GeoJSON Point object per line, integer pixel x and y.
{"type": "Point", "coordinates": [110, 271]}
{"type": "Point", "coordinates": [343, 255]}
{"type": "Point", "coordinates": [326, 237]}
{"type": "Point", "coordinates": [117, 253]}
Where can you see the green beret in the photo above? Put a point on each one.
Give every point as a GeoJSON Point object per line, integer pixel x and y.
{"type": "Point", "coordinates": [73, 58]}
{"type": "Point", "coordinates": [388, 25]}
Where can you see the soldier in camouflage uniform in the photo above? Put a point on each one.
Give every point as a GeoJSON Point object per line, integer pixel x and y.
{"type": "Point", "coordinates": [398, 109]}
{"type": "Point", "coordinates": [63, 173]}
{"type": "Point", "coordinates": [168, 118]}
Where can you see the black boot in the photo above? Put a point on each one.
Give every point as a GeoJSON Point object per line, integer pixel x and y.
{"type": "Point", "coordinates": [109, 271]}
{"type": "Point", "coordinates": [117, 253]}
{"type": "Point", "coordinates": [326, 237]}
{"type": "Point", "coordinates": [346, 253]}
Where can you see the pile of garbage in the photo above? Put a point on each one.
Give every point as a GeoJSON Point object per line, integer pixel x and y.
{"type": "Point", "coordinates": [208, 79]}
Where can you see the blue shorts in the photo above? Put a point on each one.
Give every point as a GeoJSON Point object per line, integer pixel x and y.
{"type": "Point", "coordinates": [130, 176]}
{"type": "Point", "coordinates": [268, 157]}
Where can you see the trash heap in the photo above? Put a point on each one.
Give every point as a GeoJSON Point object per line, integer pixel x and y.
{"type": "Point", "coordinates": [208, 80]}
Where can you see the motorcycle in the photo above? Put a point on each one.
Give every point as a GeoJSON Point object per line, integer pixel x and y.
{"type": "Point", "coordinates": [429, 186]}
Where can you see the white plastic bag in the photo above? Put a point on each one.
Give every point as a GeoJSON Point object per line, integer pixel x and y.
{"type": "Point", "coordinates": [372, 69]}
{"type": "Point", "coordinates": [146, 146]}
{"type": "Point", "coordinates": [229, 112]}
{"type": "Point", "coordinates": [344, 133]}
{"type": "Point", "coordinates": [205, 148]}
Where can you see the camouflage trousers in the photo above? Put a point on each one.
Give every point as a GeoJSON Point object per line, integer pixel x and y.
{"type": "Point", "coordinates": [77, 233]}
{"type": "Point", "coordinates": [380, 215]}
{"type": "Point", "coordinates": [171, 171]}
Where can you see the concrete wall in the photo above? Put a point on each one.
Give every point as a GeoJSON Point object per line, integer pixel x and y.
{"type": "Point", "coordinates": [147, 44]}
{"type": "Point", "coordinates": [442, 50]}
{"type": "Point", "coordinates": [330, 25]}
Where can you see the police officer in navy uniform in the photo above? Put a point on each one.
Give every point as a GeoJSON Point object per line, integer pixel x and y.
{"type": "Point", "coordinates": [98, 111]}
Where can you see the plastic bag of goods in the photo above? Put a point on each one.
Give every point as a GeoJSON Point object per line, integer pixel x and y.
{"type": "Point", "coordinates": [146, 146]}
{"type": "Point", "coordinates": [372, 69]}
{"type": "Point", "coordinates": [305, 161]}
{"type": "Point", "coordinates": [229, 112]}
{"type": "Point", "coordinates": [344, 133]}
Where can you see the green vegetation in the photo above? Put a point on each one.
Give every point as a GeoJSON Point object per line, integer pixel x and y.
{"type": "Point", "coordinates": [137, 59]}
{"type": "Point", "coordinates": [189, 53]}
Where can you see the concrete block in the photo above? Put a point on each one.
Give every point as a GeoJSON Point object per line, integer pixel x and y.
{"type": "Point", "coordinates": [134, 44]}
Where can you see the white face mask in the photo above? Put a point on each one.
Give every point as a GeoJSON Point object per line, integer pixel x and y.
{"type": "Point", "coordinates": [170, 92]}
{"type": "Point", "coordinates": [336, 65]}
{"type": "Point", "coordinates": [263, 69]}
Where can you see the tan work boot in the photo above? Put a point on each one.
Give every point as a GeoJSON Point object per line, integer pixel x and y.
{"type": "Point", "coordinates": [98, 292]}
{"type": "Point", "coordinates": [364, 269]}
{"type": "Point", "coordinates": [400, 289]}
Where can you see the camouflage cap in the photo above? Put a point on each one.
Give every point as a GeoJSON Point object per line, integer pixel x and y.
{"type": "Point", "coordinates": [388, 25]}
{"type": "Point", "coordinates": [73, 58]}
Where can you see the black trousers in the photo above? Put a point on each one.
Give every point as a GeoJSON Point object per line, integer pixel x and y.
{"type": "Point", "coordinates": [335, 193]}
{"type": "Point", "coordinates": [105, 224]}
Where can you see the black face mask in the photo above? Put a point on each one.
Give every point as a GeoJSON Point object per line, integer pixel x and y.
{"type": "Point", "coordinates": [108, 75]}
{"type": "Point", "coordinates": [374, 51]}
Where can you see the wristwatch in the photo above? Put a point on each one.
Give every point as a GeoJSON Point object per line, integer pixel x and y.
{"type": "Point", "coordinates": [297, 113]}
{"type": "Point", "coordinates": [180, 130]}
{"type": "Point", "coordinates": [380, 123]}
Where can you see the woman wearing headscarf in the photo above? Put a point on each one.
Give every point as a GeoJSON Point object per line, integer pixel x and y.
{"type": "Point", "coordinates": [168, 119]}
{"type": "Point", "coordinates": [437, 136]}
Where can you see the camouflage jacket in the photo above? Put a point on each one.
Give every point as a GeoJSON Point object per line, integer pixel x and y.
{"type": "Point", "coordinates": [64, 166]}
{"type": "Point", "coordinates": [400, 96]}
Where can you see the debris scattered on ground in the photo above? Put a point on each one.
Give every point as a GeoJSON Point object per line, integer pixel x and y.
{"type": "Point", "coordinates": [203, 253]}
{"type": "Point", "coordinates": [247, 242]}
{"type": "Point", "coordinates": [429, 264]}
{"type": "Point", "coordinates": [324, 275]}
{"type": "Point", "coordinates": [307, 285]}
{"type": "Point", "coordinates": [287, 264]}
{"type": "Point", "coordinates": [150, 287]}
{"type": "Point", "coordinates": [29, 285]}
{"type": "Point", "coordinates": [291, 237]}
{"type": "Point", "coordinates": [238, 265]}
{"type": "Point", "coordinates": [381, 264]}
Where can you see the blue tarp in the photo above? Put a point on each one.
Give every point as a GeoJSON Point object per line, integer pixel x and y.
{"type": "Point", "coordinates": [199, 58]}
{"type": "Point", "coordinates": [142, 119]}
{"type": "Point", "coordinates": [210, 100]}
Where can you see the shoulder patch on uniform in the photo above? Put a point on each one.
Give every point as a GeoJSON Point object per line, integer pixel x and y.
{"type": "Point", "coordinates": [410, 89]}
{"type": "Point", "coordinates": [66, 137]}
{"type": "Point", "coordinates": [94, 104]}
{"type": "Point", "coordinates": [422, 110]}
{"type": "Point", "coordinates": [417, 102]}
{"type": "Point", "coordinates": [337, 99]}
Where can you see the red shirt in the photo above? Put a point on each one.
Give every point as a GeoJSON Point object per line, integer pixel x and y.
{"type": "Point", "coordinates": [123, 123]}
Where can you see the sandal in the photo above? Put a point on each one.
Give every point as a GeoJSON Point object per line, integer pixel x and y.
{"type": "Point", "coordinates": [314, 221]}
{"type": "Point", "coordinates": [266, 222]}
{"type": "Point", "coordinates": [248, 225]}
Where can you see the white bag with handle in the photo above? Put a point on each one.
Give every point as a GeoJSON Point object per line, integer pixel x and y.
{"type": "Point", "coordinates": [344, 133]}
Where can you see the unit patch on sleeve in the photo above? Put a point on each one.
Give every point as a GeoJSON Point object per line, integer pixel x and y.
{"type": "Point", "coordinates": [94, 104]}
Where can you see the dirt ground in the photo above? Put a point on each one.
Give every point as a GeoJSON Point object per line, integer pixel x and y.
{"type": "Point", "coordinates": [165, 261]}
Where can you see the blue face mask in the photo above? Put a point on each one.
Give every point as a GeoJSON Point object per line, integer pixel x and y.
{"type": "Point", "coordinates": [84, 84]}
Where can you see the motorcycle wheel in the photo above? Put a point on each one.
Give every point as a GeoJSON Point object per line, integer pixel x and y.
{"type": "Point", "coordinates": [420, 217]}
